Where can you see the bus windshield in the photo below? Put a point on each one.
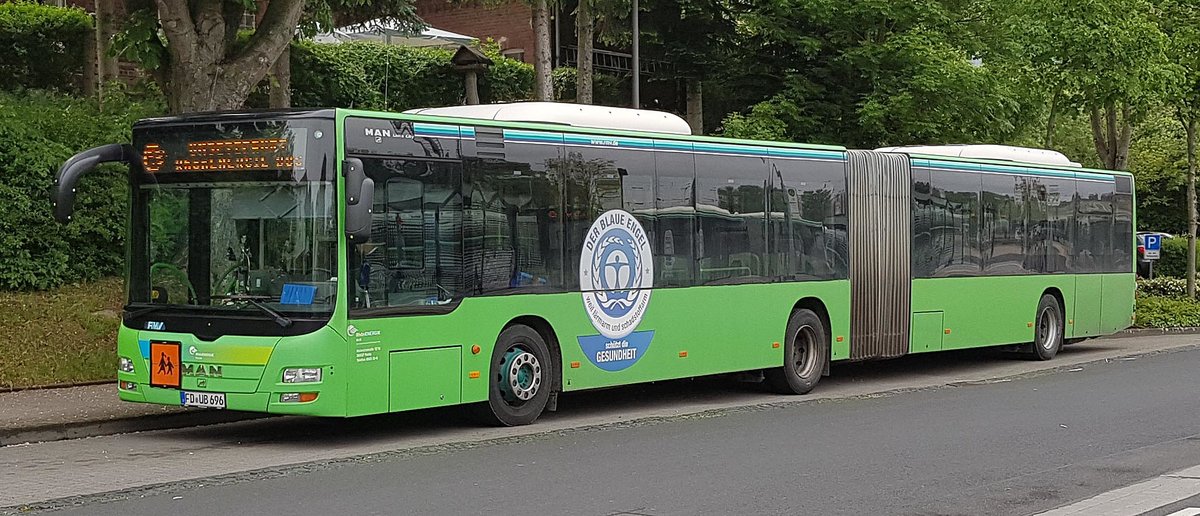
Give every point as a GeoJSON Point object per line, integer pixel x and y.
{"type": "Point", "coordinates": [236, 217]}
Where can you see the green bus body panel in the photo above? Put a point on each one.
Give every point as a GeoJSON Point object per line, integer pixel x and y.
{"type": "Point", "coordinates": [721, 328]}
{"type": "Point", "coordinates": [251, 369]}
{"type": "Point", "coordinates": [424, 378]}
{"type": "Point", "coordinates": [988, 311]}
{"type": "Point", "coordinates": [926, 332]}
{"type": "Point", "coordinates": [1088, 306]}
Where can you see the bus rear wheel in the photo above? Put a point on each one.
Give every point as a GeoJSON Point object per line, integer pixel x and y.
{"type": "Point", "coordinates": [1048, 329]}
{"type": "Point", "coordinates": [520, 380]}
{"type": "Point", "coordinates": [805, 351]}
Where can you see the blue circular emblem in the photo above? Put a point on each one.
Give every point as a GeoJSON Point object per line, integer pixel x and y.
{"type": "Point", "coordinates": [616, 272]}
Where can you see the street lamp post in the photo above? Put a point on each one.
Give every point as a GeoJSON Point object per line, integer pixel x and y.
{"type": "Point", "coordinates": [637, 69]}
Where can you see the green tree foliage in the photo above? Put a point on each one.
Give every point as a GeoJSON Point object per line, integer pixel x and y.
{"type": "Point", "coordinates": [38, 132]}
{"type": "Point", "coordinates": [874, 73]}
{"type": "Point", "coordinates": [367, 75]}
{"type": "Point", "coordinates": [1104, 58]}
{"type": "Point", "coordinates": [43, 46]}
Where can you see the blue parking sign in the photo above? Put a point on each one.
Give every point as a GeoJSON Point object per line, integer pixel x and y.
{"type": "Point", "coordinates": [1153, 244]}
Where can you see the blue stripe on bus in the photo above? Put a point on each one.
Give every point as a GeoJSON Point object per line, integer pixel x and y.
{"type": "Point", "coordinates": [532, 136]}
{"type": "Point", "coordinates": [466, 131]}
{"type": "Point", "coordinates": [422, 129]}
{"type": "Point", "coordinates": [987, 167]}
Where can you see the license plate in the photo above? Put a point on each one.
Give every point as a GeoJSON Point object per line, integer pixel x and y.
{"type": "Point", "coordinates": [202, 399]}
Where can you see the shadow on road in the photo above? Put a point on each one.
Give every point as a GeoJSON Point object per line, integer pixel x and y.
{"type": "Point", "coordinates": [609, 403]}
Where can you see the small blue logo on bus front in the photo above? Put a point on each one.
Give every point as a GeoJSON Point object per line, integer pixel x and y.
{"type": "Point", "coordinates": [616, 272]}
{"type": "Point", "coordinates": [155, 325]}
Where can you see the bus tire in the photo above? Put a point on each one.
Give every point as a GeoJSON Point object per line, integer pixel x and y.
{"type": "Point", "coordinates": [1048, 329]}
{"type": "Point", "coordinates": [520, 380]}
{"type": "Point", "coordinates": [805, 351]}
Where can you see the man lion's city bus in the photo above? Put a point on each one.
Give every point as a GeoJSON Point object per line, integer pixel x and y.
{"type": "Point", "coordinates": [342, 263]}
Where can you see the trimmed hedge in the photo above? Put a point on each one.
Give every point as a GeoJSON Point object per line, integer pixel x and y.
{"type": "Point", "coordinates": [43, 46]}
{"type": "Point", "coordinates": [1166, 312]}
{"type": "Point", "coordinates": [38, 132]}
{"type": "Point", "coordinates": [360, 74]}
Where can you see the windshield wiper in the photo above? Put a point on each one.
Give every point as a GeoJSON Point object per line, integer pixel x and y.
{"type": "Point", "coordinates": [143, 311]}
{"type": "Point", "coordinates": [280, 319]}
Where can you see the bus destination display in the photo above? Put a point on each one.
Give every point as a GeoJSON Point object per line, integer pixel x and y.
{"type": "Point", "coordinates": [228, 155]}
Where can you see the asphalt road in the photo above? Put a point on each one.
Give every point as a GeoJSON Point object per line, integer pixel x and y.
{"type": "Point", "coordinates": [1015, 446]}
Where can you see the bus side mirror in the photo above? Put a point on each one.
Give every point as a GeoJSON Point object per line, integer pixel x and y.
{"type": "Point", "coordinates": [80, 164]}
{"type": "Point", "coordinates": [360, 196]}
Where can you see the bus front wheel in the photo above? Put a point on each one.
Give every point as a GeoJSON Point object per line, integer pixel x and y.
{"type": "Point", "coordinates": [805, 352]}
{"type": "Point", "coordinates": [521, 378]}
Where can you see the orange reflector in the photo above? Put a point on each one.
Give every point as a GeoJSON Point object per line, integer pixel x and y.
{"type": "Point", "coordinates": [1070, 321]}
{"type": "Point", "coordinates": [473, 375]}
{"type": "Point", "coordinates": [840, 338]}
{"type": "Point", "coordinates": [1029, 324]}
{"type": "Point", "coordinates": [947, 331]}
{"type": "Point", "coordinates": [682, 354]}
{"type": "Point", "coordinates": [475, 349]}
{"type": "Point", "coordinates": [575, 365]}
{"type": "Point", "coordinates": [775, 345]}
{"type": "Point", "coordinates": [306, 397]}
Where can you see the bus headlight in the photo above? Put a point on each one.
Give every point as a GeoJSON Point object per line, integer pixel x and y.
{"type": "Point", "coordinates": [125, 365]}
{"type": "Point", "coordinates": [302, 375]}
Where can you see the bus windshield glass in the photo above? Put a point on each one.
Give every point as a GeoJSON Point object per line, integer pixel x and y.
{"type": "Point", "coordinates": [236, 217]}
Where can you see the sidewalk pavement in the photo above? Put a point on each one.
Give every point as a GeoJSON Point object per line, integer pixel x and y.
{"type": "Point", "coordinates": [72, 412]}
{"type": "Point", "coordinates": [36, 415]}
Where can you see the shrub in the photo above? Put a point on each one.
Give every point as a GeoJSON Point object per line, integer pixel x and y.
{"type": "Point", "coordinates": [1173, 258]}
{"type": "Point", "coordinates": [1166, 312]}
{"type": "Point", "coordinates": [43, 46]}
{"type": "Point", "coordinates": [38, 132]}
{"type": "Point", "coordinates": [368, 75]}
{"type": "Point", "coordinates": [1162, 286]}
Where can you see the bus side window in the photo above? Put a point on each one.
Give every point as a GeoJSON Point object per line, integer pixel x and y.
{"type": "Point", "coordinates": [675, 176]}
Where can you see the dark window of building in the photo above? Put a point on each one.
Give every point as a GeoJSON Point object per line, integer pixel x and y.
{"type": "Point", "coordinates": [675, 174]}
{"type": "Point", "coordinates": [730, 207]}
{"type": "Point", "coordinates": [513, 235]}
{"type": "Point", "coordinates": [808, 238]}
{"type": "Point", "coordinates": [954, 224]}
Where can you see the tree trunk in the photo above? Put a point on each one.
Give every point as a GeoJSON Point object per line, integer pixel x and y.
{"type": "Point", "coordinates": [204, 74]}
{"type": "Point", "coordinates": [543, 88]}
{"type": "Point", "coordinates": [1189, 125]}
{"type": "Point", "coordinates": [1112, 133]}
{"type": "Point", "coordinates": [281, 80]}
{"type": "Point", "coordinates": [471, 83]}
{"type": "Point", "coordinates": [585, 25]}
{"type": "Point", "coordinates": [1051, 122]}
{"type": "Point", "coordinates": [695, 106]}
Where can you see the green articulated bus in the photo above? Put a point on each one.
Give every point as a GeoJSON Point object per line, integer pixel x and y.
{"type": "Point", "coordinates": [341, 263]}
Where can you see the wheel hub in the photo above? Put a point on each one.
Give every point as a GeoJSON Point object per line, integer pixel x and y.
{"type": "Point", "coordinates": [521, 375]}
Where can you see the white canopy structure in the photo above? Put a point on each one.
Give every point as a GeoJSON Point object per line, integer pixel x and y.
{"type": "Point", "coordinates": [389, 32]}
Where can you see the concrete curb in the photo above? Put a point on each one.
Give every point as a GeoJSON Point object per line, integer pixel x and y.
{"type": "Point", "coordinates": [58, 432]}
{"type": "Point", "coordinates": [1150, 332]}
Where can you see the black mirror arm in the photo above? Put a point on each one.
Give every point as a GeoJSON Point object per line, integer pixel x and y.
{"type": "Point", "coordinates": [80, 164]}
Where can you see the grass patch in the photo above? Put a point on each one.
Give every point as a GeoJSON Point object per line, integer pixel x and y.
{"type": "Point", "coordinates": [65, 335]}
